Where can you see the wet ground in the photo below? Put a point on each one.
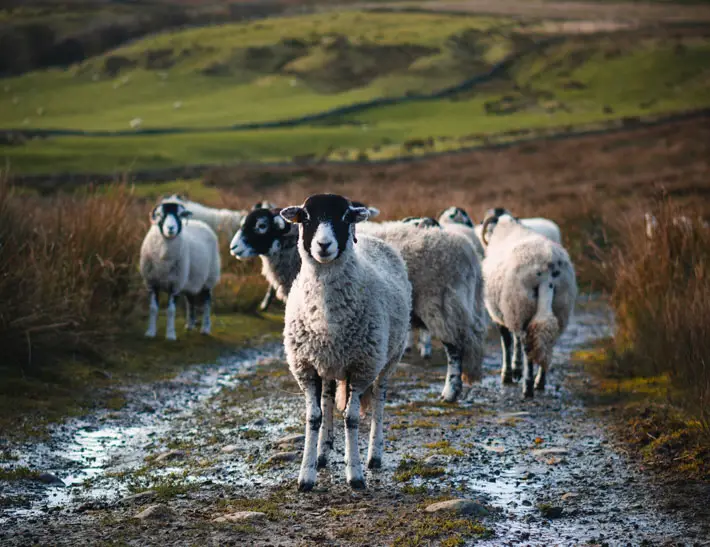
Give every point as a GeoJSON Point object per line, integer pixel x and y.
{"type": "Point", "coordinates": [223, 439]}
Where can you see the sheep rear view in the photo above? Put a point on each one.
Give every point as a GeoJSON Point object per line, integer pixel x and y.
{"type": "Point", "coordinates": [447, 288]}
{"type": "Point", "coordinates": [530, 292]}
{"type": "Point", "coordinates": [347, 318]}
{"type": "Point", "coordinates": [179, 256]}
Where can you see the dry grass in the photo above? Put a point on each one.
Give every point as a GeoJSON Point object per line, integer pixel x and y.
{"type": "Point", "coordinates": [662, 303]}
{"type": "Point", "coordinates": [67, 267]}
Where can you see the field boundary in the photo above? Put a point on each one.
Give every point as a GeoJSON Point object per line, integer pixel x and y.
{"type": "Point", "coordinates": [352, 108]}
{"type": "Point", "coordinates": [50, 182]}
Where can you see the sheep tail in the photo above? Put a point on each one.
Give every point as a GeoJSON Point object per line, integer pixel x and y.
{"type": "Point", "coordinates": [472, 354]}
{"type": "Point", "coordinates": [543, 330]}
{"type": "Point", "coordinates": [342, 394]}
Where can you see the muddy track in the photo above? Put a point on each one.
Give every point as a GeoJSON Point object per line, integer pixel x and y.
{"type": "Point", "coordinates": [210, 443]}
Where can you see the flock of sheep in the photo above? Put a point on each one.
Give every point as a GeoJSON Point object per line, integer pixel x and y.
{"type": "Point", "coordinates": [354, 288]}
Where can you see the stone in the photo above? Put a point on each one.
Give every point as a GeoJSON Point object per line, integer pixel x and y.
{"type": "Point", "coordinates": [282, 457]}
{"type": "Point", "coordinates": [550, 511]}
{"type": "Point", "coordinates": [240, 516]}
{"type": "Point", "coordinates": [172, 455]}
{"type": "Point", "coordinates": [291, 440]}
{"type": "Point", "coordinates": [436, 460]}
{"type": "Point", "coordinates": [545, 453]}
{"type": "Point", "coordinates": [52, 480]}
{"type": "Point", "coordinates": [230, 448]}
{"type": "Point", "coordinates": [569, 496]}
{"type": "Point", "coordinates": [140, 497]}
{"type": "Point", "coordinates": [159, 511]}
{"type": "Point", "coordinates": [459, 507]}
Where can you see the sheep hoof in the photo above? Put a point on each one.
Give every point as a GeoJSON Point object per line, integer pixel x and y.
{"type": "Point", "coordinates": [357, 484]}
{"type": "Point", "coordinates": [507, 378]}
{"type": "Point", "coordinates": [528, 391]}
{"type": "Point", "coordinates": [150, 334]}
{"type": "Point", "coordinates": [517, 374]}
{"type": "Point", "coordinates": [540, 386]}
{"type": "Point", "coordinates": [374, 463]}
{"type": "Point", "coordinates": [322, 462]}
{"type": "Point", "coordinates": [305, 486]}
{"type": "Point", "coordinates": [171, 336]}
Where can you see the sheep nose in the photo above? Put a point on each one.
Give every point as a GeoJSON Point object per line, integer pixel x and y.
{"type": "Point", "coordinates": [324, 246]}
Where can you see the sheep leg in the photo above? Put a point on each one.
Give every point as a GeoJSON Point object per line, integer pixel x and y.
{"type": "Point", "coordinates": [453, 385]}
{"type": "Point", "coordinates": [540, 379]}
{"type": "Point", "coordinates": [410, 341]}
{"type": "Point", "coordinates": [206, 310]}
{"type": "Point", "coordinates": [518, 357]}
{"type": "Point", "coordinates": [153, 317]}
{"type": "Point", "coordinates": [268, 297]}
{"type": "Point", "coordinates": [191, 309]}
{"type": "Point", "coordinates": [377, 442]}
{"type": "Point", "coordinates": [353, 469]}
{"type": "Point", "coordinates": [311, 386]}
{"type": "Point", "coordinates": [325, 437]}
{"type": "Point", "coordinates": [527, 366]}
{"type": "Point", "coordinates": [424, 343]}
{"type": "Point", "coordinates": [170, 329]}
{"type": "Point", "coordinates": [506, 342]}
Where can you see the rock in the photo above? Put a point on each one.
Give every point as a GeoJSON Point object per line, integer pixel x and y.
{"type": "Point", "coordinates": [569, 495]}
{"type": "Point", "coordinates": [170, 456]}
{"type": "Point", "coordinates": [282, 457]}
{"type": "Point", "coordinates": [240, 516]}
{"type": "Point", "coordinates": [140, 497]}
{"type": "Point", "coordinates": [52, 480]}
{"type": "Point", "coordinates": [259, 422]}
{"type": "Point", "coordinates": [291, 440]}
{"type": "Point", "coordinates": [230, 448]}
{"type": "Point", "coordinates": [459, 507]}
{"type": "Point", "coordinates": [547, 452]}
{"type": "Point", "coordinates": [436, 460]}
{"type": "Point", "coordinates": [550, 511]}
{"type": "Point", "coordinates": [159, 511]}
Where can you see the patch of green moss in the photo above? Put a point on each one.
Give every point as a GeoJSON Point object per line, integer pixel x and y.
{"type": "Point", "coordinates": [165, 487]}
{"type": "Point", "coordinates": [410, 467]}
{"type": "Point", "coordinates": [427, 529]}
{"type": "Point", "coordinates": [251, 434]}
{"type": "Point", "coordinates": [423, 424]}
{"type": "Point", "coordinates": [18, 474]}
{"type": "Point", "coordinates": [444, 447]}
{"type": "Point", "coordinates": [414, 490]}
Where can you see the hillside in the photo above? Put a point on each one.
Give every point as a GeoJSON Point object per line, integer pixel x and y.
{"type": "Point", "coordinates": [194, 85]}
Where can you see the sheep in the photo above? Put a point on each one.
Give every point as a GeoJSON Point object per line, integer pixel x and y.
{"type": "Point", "coordinates": [266, 234]}
{"type": "Point", "coordinates": [222, 221]}
{"type": "Point", "coordinates": [543, 226]}
{"type": "Point", "coordinates": [422, 222]}
{"type": "Point", "coordinates": [135, 123]}
{"type": "Point", "coordinates": [530, 290]}
{"type": "Point", "coordinates": [447, 287]}
{"type": "Point", "coordinates": [346, 322]}
{"type": "Point", "coordinates": [681, 222]}
{"type": "Point", "coordinates": [455, 219]}
{"type": "Point", "coordinates": [179, 256]}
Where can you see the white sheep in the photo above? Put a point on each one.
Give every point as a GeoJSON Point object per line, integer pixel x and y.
{"type": "Point", "coordinates": [682, 222]}
{"type": "Point", "coordinates": [135, 123]}
{"type": "Point", "coordinates": [222, 221]}
{"type": "Point", "coordinates": [266, 234]}
{"type": "Point", "coordinates": [179, 256]}
{"type": "Point", "coordinates": [447, 288]}
{"type": "Point", "coordinates": [542, 226]}
{"type": "Point", "coordinates": [346, 321]}
{"type": "Point", "coordinates": [530, 290]}
{"type": "Point", "coordinates": [455, 219]}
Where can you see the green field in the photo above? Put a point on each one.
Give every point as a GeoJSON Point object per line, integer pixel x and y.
{"type": "Point", "coordinates": [275, 69]}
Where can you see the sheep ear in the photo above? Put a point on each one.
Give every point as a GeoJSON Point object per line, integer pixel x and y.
{"type": "Point", "coordinates": [280, 223]}
{"type": "Point", "coordinates": [153, 215]}
{"type": "Point", "coordinates": [356, 214]}
{"type": "Point", "coordinates": [292, 214]}
{"type": "Point", "coordinates": [374, 211]}
{"type": "Point", "coordinates": [257, 205]}
{"type": "Point", "coordinates": [186, 214]}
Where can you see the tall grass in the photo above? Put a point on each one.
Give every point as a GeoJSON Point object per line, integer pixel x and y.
{"type": "Point", "coordinates": [67, 267]}
{"type": "Point", "coordinates": [662, 302]}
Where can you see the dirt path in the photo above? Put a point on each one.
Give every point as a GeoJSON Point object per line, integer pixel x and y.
{"type": "Point", "coordinates": [628, 12]}
{"type": "Point", "coordinates": [206, 446]}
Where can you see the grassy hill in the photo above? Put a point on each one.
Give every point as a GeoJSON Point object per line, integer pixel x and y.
{"type": "Point", "coordinates": [213, 77]}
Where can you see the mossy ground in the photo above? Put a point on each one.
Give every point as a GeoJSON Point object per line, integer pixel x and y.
{"type": "Point", "coordinates": [32, 398]}
{"type": "Point", "coordinates": [645, 415]}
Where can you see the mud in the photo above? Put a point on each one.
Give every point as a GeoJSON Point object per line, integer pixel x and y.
{"type": "Point", "coordinates": [203, 445]}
